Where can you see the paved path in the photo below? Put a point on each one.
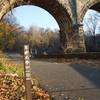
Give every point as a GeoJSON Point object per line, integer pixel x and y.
{"type": "Point", "coordinates": [72, 80]}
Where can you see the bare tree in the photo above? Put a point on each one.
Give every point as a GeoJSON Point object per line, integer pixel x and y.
{"type": "Point", "coordinates": [90, 27]}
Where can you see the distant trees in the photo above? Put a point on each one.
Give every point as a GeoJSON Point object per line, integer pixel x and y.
{"type": "Point", "coordinates": [6, 37]}
{"type": "Point", "coordinates": [44, 41]}
{"type": "Point", "coordinates": [9, 30]}
{"type": "Point", "coordinates": [10, 18]}
{"type": "Point", "coordinates": [41, 41]}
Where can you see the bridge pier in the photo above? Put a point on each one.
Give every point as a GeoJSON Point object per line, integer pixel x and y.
{"type": "Point", "coordinates": [81, 38]}
{"type": "Point", "coordinates": [73, 42]}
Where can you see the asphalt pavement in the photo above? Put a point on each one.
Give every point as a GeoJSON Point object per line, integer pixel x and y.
{"type": "Point", "coordinates": [68, 79]}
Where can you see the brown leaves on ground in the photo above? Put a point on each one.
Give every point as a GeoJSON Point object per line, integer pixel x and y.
{"type": "Point", "coordinates": [12, 88]}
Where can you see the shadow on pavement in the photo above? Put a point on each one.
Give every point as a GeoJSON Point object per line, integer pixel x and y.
{"type": "Point", "coordinates": [87, 71]}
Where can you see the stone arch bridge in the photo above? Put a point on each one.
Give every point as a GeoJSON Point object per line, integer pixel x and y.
{"type": "Point", "coordinates": [68, 14]}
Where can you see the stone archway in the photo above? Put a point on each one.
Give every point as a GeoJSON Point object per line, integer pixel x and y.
{"type": "Point", "coordinates": [93, 4]}
{"type": "Point", "coordinates": [82, 7]}
{"type": "Point", "coordinates": [54, 7]}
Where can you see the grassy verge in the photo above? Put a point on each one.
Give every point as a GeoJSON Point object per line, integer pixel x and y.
{"type": "Point", "coordinates": [11, 70]}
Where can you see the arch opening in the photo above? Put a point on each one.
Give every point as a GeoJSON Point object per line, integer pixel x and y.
{"type": "Point", "coordinates": [91, 28]}
{"type": "Point", "coordinates": [94, 5]}
{"type": "Point", "coordinates": [30, 15]}
{"type": "Point", "coordinates": [52, 6]}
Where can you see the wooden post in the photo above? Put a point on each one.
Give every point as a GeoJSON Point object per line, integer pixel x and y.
{"type": "Point", "coordinates": [27, 72]}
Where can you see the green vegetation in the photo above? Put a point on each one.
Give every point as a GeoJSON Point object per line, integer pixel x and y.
{"type": "Point", "coordinates": [10, 67]}
{"type": "Point", "coordinates": [11, 70]}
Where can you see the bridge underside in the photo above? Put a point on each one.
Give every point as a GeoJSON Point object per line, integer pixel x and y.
{"type": "Point", "coordinates": [70, 38]}
{"type": "Point", "coordinates": [55, 8]}
{"type": "Point", "coordinates": [96, 7]}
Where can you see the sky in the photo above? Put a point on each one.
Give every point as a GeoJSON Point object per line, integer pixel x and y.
{"type": "Point", "coordinates": [88, 15]}
{"type": "Point", "coordinates": [32, 15]}
{"type": "Point", "coordinates": [36, 16]}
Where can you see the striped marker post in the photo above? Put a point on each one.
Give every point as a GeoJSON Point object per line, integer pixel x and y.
{"type": "Point", "coordinates": [27, 72]}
